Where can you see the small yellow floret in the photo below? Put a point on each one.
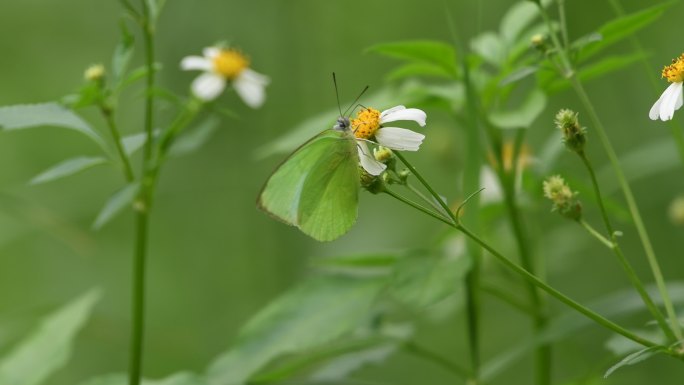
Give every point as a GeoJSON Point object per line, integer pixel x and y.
{"type": "Point", "coordinates": [366, 123]}
{"type": "Point", "coordinates": [675, 71]}
{"type": "Point", "coordinates": [229, 63]}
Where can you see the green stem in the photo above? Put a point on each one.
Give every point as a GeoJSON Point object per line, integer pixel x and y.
{"type": "Point", "coordinates": [417, 206]}
{"type": "Point", "coordinates": [631, 204]}
{"type": "Point", "coordinates": [471, 182]}
{"type": "Point", "coordinates": [524, 273]}
{"type": "Point", "coordinates": [543, 351]}
{"type": "Point", "coordinates": [556, 294]}
{"type": "Point", "coordinates": [425, 184]}
{"type": "Point", "coordinates": [615, 247]}
{"type": "Point", "coordinates": [107, 113]}
{"type": "Point", "coordinates": [594, 233]}
{"type": "Point", "coordinates": [435, 358]}
{"type": "Point", "coordinates": [143, 207]}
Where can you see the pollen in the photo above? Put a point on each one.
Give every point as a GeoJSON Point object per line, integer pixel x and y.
{"type": "Point", "coordinates": [366, 123]}
{"type": "Point", "coordinates": [675, 71]}
{"type": "Point", "coordinates": [229, 63]}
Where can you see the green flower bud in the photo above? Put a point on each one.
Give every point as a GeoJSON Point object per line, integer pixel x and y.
{"type": "Point", "coordinates": [94, 73]}
{"type": "Point", "coordinates": [372, 183]}
{"type": "Point", "coordinates": [676, 211]}
{"type": "Point", "coordinates": [574, 135]}
{"type": "Point", "coordinates": [538, 41]}
{"type": "Point", "coordinates": [382, 154]}
{"type": "Point", "coordinates": [564, 200]}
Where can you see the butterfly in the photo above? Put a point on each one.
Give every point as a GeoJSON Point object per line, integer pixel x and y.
{"type": "Point", "coordinates": [316, 188]}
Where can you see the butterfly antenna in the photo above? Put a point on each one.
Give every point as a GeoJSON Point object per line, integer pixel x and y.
{"type": "Point", "coordinates": [356, 100]}
{"type": "Point", "coordinates": [337, 94]}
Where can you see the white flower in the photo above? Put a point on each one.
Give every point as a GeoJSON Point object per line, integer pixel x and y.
{"type": "Point", "coordinates": [223, 65]}
{"type": "Point", "coordinates": [369, 126]}
{"type": "Point", "coordinates": [671, 100]}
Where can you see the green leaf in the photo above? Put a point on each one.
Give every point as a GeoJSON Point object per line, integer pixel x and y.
{"type": "Point", "coordinates": [46, 114]}
{"type": "Point", "coordinates": [312, 314]}
{"type": "Point", "coordinates": [427, 51]}
{"type": "Point", "coordinates": [182, 378]}
{"type": "Point", "coordinates": [522, 116]}
{"type": "Point", "coordinates": [624, 26]}
{"type": "Point", "coordinates": [418, 69]}
{"type": "Point", "coordinates": [424, 279]}
{"type": "Point", "coordinates": [360, 265]}
{"type": "Point", "coordinates": [516, 19]}
{"type": "Point", "coordinates": [67, 168]}
{"type": "Point", "coordinates": [195, 138]}
{"type": "Point", "coordinates": [119, 201]}
{"type": "Point", "coordinates": [49, 347]}
{"type": "Point", "coordinates": [133, 143]}
{"type": "Point", "coordinates": [596, 70]}
{"type": "Point", "coordinates": [634, 358]}
{"type": "Point", "coordinates": [122, 54]}
{"type": "Point", "coordinates": [490, 47]}
{"type": "Point", "coordinates": [137, 74]}
{"type": "Point", "coordinates": [646, 160]}
{"type": "Point", "coordinates": [518, 75]}
{"type": "Point", "coordinates": [620, 345]}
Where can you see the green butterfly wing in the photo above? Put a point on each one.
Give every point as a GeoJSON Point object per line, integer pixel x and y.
{"type": "Point", "coordinates": [317, 187]}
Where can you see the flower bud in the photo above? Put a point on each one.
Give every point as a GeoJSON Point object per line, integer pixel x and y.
{"type": "Point", "coordinates": [382, 154]}
{"type": "Point", "coordinates": [676, 211]}
{"type": "Point", "coordinates": [372, 183]}
{"type": "Point", "coordinates": [94, 73]}
{"type": "Point", "coordinates": [574, 135]}
{"type": "Point", "coordinates": [563, 198]}
{"type": "Point", "coordinates": [538, 41]}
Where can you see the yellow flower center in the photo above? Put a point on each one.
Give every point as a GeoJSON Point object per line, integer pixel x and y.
{"type": "Point", "coordinates": [229, 63]}
{"type": "Point", "coordinates": [675, 71]}
{"type": "Point", "coordinates": [366, 123]}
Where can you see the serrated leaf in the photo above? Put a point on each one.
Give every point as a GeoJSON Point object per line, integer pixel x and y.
{"type": "Point", "coordinates": [122, 54]}
{"type": "Point", "coordinates": [634, 358]}
{"type": "Point", "coordinates": [427, 51]}
{"type": "Point", "coordinates": [300, 319]}
{"type": "Point", "coordinates": [67, 168]}
{"type": "Point", "coordinates": [524, 115]}
{"type": "Point", "coordinates": [194, 139]}
{"type": "Point", "coordinates": [119, 201]}
{"type": "Point", "coordinates": [624, 26]}
{"type": "Point", "coordinates": [24, 116]}
{"type": "Point", "coordinates": [516, 19]}
{"type": "Point", "coordinates": [49, 347]}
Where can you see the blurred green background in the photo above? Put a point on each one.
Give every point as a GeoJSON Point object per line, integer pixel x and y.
{"type": "Point", "coordinates": [215, 260]}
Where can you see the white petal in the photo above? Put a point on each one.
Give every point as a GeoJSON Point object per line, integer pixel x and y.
{"type": "Point", "coordinates": [208, 86]}
{"type": "Point", "coordinates": [211, 52]}
{"type": "Point", "coordinates": [399, 138]}
{"type": "Point", "coordinates": [251, 87]}
{"type": "Point", "coordinates": [367, 160]}
{"type": "Point", "coordinates": [669, 102]}
{"type": "Point", "coordinates": [196, 63]}
{"type": "Point", "coordinates": [680, 99]}
{"type": "Point", "coordinates": [390, 110]}
{"type": "Point", "coordinates": [414, 114]}
{"type": "Point", "coordinates": [653, 113]}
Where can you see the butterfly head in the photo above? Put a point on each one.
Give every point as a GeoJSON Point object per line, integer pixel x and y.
{"type": "Point", "coordinates": [342, 124]}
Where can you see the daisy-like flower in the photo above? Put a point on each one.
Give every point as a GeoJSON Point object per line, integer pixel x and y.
{"type": "Point", "coordinates": [369, 125]}
{"type": "Point", "coordinates": [224, 65]}
{"type": "Point", "coordinates": [671, 99]}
